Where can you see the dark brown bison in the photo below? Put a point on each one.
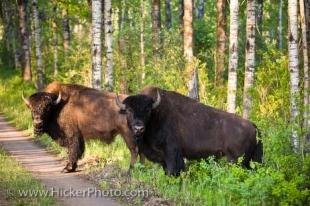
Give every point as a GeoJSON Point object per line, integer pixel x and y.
{"type": "Point", "coordinates": [72, 113]}
{"type": "Point", "coordinates": [169, 127]}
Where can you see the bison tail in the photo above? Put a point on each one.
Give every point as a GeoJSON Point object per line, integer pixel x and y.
{"type": "Point", "coordinates": [258, 152]}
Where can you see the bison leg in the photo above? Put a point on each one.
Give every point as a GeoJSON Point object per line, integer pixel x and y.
{"type": "Point", "coordinates": [134, 155]}
{"type": "Point", "coordinates": [174, 161]}
{"type": "Point", "coordinates": [75, 150]}
{"type": "Point", "coordinates": [142, 158]}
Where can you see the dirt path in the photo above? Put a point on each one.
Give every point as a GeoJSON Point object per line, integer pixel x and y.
{"type": "Point", "coordinates": [68, 189]}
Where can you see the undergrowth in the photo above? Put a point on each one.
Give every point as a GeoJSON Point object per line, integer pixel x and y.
{"type": "Point", "coordinates": [283, 178]}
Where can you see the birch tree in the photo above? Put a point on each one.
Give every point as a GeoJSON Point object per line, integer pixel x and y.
{"type": "Point", "coordinates": [233, 56]}
{"type": "Point", "coordinates": [293, 66]}
{"type": "Point", "coordinates": [37, 38]}
{"type": "Point", "coordinates": [55, 41]}
{"type": "Point", "coordinates": [96, 44]}
{"type": "Point", "coordinates": [220, 41]}
{"type": "Point", "coordinates": [156, 24]}
{"type": "Point", "coordinates": [306, 62]}
{"type": "Point", "coordinates": [108, 29]}
{"type": "Point", "coordinates": [307, 7]}
{"type": "Point", "coordinates": [142, 44]}
{"type": "Point", "coordinates": [168, 14]}
{"type": "Point", "coordinates": [122, 46]}
{"type": "Point", "coordinates": [66, 30]}
{"type": "Point", "coordinates": [193, 90]}
{"type": "Point", "coordinates": [249, 58]}
{"type": "Point", "coordinates": [26, 63]}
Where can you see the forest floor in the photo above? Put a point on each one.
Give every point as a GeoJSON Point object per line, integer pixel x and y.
{"type": "Point", "coordinates": [65, 187]}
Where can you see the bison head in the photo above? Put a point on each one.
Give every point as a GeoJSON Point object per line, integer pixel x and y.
{"type": "Point", "coordinates": [41, 104]}
{"type": "Point", "coordinates": [138, 110]}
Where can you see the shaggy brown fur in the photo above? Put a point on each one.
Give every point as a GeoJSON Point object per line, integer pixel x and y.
{"type": "Point", "coordinates": [83, 113]}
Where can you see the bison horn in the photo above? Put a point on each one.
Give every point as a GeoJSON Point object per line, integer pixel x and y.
{"type": "Point", "coordinates": [58, 99]}
{"type": "Point", "coordinates": [157, 102]}
{"type": "Point", "coordinates": [26, 100]}
{"type": "Point", "coordinates": [119, 103]}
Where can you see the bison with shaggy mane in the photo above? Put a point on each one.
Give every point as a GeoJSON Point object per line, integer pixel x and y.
{"type": "Point", "coordinates": [71, 113]}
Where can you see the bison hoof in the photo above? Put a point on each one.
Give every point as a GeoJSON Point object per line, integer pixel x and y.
{"type": "Point", "coordinates": [70, 168]}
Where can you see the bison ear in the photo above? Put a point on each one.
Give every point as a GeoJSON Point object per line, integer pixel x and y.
{"type": "Point", "coordinates": [157, 101]}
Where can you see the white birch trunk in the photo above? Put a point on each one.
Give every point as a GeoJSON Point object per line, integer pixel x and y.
{"type": "Point", "coordinates": [249, 58]}
{"type": "Point", "coordinates": [156, 26]}
{"type": "Point", "coordinates": [233, 56]}
{"type": "Point", "coordinates": [193, 90]}
{"type": "Point", "coordinates": [37, 38]}
{"type": "Point", "coordinates": [142, 52]}
{"type": "Point", "coordinates": [280, 27]}
{"type": "Point", "coordinates": [55, 41]}
{"type": "Point", "coordinates": [96, 44]}
{"type": "Point", "coordinates": [108, 44]}
{"type": "Point", "coordinates": [293, 67]}
{"type": "Point", "coordinates": [306, 63]}
{"type": "Point", "coordinates": [66, 30]}
{"type": "Point", "coordinates": [26, 60]}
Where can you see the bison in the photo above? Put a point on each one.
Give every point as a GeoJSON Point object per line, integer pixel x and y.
{"type": "Point", "coordinates": [169, 127]}
{"type": "Point", "coordinates": [72, 113]}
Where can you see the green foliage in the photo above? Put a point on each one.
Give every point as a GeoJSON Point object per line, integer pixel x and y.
{"type": "Point", "coordinates": [14, 178]}
{"type": "Point", "coordinates": [283, 178]}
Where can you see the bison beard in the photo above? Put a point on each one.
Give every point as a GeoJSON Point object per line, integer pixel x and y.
{"type": "Point", "coordinates": [180, 127]}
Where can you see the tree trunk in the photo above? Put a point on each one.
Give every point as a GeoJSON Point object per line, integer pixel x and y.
{"type": "Point", "coordinates": [156, 24]}
{"type": "Point", "coordinates": [26, 65]}
{"type": "Point", "coordinates": [193, 90]}
{"type": "Point", "coordinates": [259, 16]}
{"type": "Point", "coordinates": [168, 14]}
{"type": "Point", "coordinates": [308, 20]}
{"type": "Point", "coordinates": [181, 15]}
{"type": "Point", "coordinates": [37, 36]}
{"type": "Point", "coordinates": [142, 52]}
{"type": "Point", "coordinates": [55, 41]}
{"type": "Point", "coordinates": [200, 10]}
{"type": "Point", "coordinates": [233, 56]}
{"type": "Point", "coordinates": [96, 44]}
{"type": "Point", "coordinates": [280, 27]}
{"type": "Point", "coordinates": [66, 30]}
{"type": "Point", "coordinates": [249, 58]}
{"type": "Point", "coordinates": [122, 48]}
{"type": "Point", "coordinates": [108, 43]}
{"type": "Point", "coordinates": [293, 67]}
{"type": "Point", "coordinates": [55, 45]}
{"type": "Point", "coordinates": [306, 63]}
{"type": "Point", "coordinates": [220, 41]}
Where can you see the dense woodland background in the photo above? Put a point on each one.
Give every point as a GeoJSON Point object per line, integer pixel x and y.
{"type": "Point", "coordinates": [246, 57]}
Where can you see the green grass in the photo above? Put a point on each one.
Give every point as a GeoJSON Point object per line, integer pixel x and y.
{"type": "Point", "coordinates": [283, 179]}
{"type": "Point", "coordinates": [14, 178]}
